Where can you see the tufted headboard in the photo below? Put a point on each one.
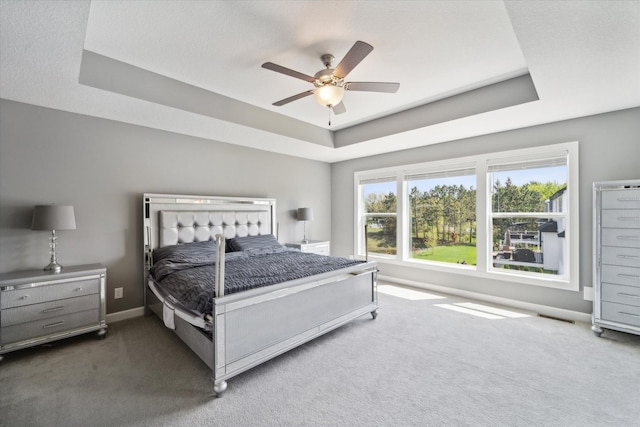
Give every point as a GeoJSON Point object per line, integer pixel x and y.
{"type": "Point", "coordinates": [174, 219]}
{"type": "Point", "coordinates": [197, 226]}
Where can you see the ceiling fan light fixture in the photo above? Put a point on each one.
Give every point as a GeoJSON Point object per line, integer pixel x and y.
{"type": "Point", "coordinates": [328, 95]}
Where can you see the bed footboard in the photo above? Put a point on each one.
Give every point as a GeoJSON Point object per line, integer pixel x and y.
{"type": "Point", "coordinates": [249, 331]}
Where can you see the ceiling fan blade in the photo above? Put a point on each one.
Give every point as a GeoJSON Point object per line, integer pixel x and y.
{"type": "Point", "coordinates": [373, 86]}
{"type": "Point", "coordinates": [287, 71]}
{"type": "Point", "coordinates": [339, 108]}
{"type": "Point", "coordinates": [356, 54]}
{"type": "Point", "coordinates": [292, 98]}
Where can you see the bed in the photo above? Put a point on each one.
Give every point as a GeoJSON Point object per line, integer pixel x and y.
{"type": "Point", "coordinates": [236, 319]}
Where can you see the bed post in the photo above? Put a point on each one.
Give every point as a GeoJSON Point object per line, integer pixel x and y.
{"type": "Point", "coordinates": [220, 247]}
{"type": "Point", "coordinates": [366, 244]}
{"type": "Point", "coordinates": [374, 276]}
{"type": "Point", "coordinates": [148, 251]}
{"type": "Point", "coordinates": [219, 386]}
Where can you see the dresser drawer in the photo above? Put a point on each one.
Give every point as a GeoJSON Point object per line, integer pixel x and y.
{"type": "Point", "coordinates": [615, 274]}
{"type": "Point", "coordinates": [628, 295]}
{"type": "Point", "coordinates": [621, 218]}
{"type": "Point", "coordinates": [622, 237]}
{"type": "Point", "coordinates": [45, 327]}
{"type": "Point", "coordinates": [34, 312]}
{"type": "Point", "coordinates": [47, 291]}
{"type": "Point", "coordinates": [628, 257]}
{"type": "Point", "coordinates": [621, 199]}
{"type": "Point", "coordinates": [627, 314]}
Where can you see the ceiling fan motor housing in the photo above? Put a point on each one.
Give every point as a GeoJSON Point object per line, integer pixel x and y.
{"type": "Point", "coordinates": [325, 77]}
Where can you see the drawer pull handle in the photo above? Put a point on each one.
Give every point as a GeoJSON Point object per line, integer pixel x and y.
{"type": "Point", "coordinates": [628, 237]}
{"type": "Point", "coordinates": [628, 314]}
{"type": "Point", "coordinates": [77, 289]}
{"type": "Point", "coordinates": [628, 199]}
{"type": "Point", "coordinates": [24, 297]}
{"type": "Point", "coordinates": [623, 294]}
{"type": "Point", "coordinates": [52, 309]}
{"type": "Point", "coordinates": [631, 276]}
{"type": "Point", "coordinates": [628, 218]}
{"type": "Point", "coordinates": [53, 325]}
{"type": "Point", "coordinates": [628, 256]}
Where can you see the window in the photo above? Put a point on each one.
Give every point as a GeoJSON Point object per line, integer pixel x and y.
{"type": "Point", "coordinates": [378, 212]}
{"type": "Point", "coordinates": [509, 215]}
{"type": "Point", "coordinates": [527, 219]}
{"type": "Point", "coordinates": [442, 215]}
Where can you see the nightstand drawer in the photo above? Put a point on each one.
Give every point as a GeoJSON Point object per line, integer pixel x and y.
{"type": "Point", "coordinates": [317, 249]}
{"type": "Point", "coordinates": [46, 327]}
{"type": "Point", "coordinates": [629, 295]}
{"type": "Point", "coordinates": [34, 312]}
{"type": "Point", "coordinates": [47, 291]}
{"type": "Point", "coordinates": [320, 247]}
{"type": "Point", "coordinates": [622, 313]}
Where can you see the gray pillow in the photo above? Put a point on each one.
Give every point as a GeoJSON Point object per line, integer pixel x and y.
{"type": "Point", "coordinates": [265, 241]}
{"type": "Point", "coordinates": [188, 252]}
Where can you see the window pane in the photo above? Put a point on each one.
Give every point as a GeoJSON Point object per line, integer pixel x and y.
{"type": "Point", "coordinates": [381, 235]}
{"type": "Point", "coordinates": [532, 189]}
{"type": "Point", "coordinates": [536, 245]}
{"type": "Point", "coordinates": [380, 198]}
{"type": "Point", "coordinates": [442, 213]}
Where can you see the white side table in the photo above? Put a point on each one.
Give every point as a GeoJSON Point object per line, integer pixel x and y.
{"type": "Point", "coordinates": [320, 247]}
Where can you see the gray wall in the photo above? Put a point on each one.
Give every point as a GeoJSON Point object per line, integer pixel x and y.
{"type": "Point", "coordinates": [102, 167]}
{"type": "Point", "coordinates": [609, 149]}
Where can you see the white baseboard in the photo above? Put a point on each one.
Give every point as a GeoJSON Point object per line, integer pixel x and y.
{"type": "Point", "coordinates": [545, 310]}
{"type": "Point", "coordinates": [125, 314]}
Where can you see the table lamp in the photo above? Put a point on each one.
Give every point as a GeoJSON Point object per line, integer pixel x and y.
{"type": "Point", "coordinates": [53, 217]}
{"type": "Point", "coordinates": [305, 214]}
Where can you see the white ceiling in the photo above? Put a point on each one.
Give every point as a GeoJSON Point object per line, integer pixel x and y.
{"type": "Point", "coordinates": [583, 58]}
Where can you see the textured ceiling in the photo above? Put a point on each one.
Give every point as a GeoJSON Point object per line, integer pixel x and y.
{"type": "Point", "coordinates": [193, 67]}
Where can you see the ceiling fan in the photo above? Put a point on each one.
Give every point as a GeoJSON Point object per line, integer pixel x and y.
{"type": "Point", "coordinates": [329, 83]}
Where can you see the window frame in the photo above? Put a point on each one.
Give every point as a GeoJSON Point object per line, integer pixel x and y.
{"type": "Point", "coordinates": [569, 281]}
{"type": "Point", "coordinates": [379, 175]}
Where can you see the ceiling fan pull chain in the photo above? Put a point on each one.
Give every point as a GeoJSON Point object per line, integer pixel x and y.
{"type": "Point", "coordinates": [329, 108]}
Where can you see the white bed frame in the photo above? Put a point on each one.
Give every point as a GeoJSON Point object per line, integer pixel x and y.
{"type": "Point", "coordinates": [251, 327]}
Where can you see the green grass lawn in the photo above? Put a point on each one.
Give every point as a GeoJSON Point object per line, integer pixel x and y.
{"type": "Point", "coordinates": [453, 254]}
{"type": "Point", "coordinates": [380, 243]}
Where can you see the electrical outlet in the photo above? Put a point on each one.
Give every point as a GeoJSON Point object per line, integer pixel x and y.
{"type": "Point", "coordinates": [588, 293]}
{"type": "Point", "coordinates": [117, 293]}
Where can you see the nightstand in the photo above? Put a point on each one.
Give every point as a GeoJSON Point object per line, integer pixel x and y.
{"type": "Point", "coordinates": [320, 247]}
{"type": "Point", "coordinates": [39, 306]}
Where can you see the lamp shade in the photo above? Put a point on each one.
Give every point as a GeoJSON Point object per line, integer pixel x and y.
{"type": "Point", "coordinates": [53, 217]}
{"type": "Point", "coordinates": [305, 214]}
{"type": "Point", "coordinates": [328, 95]}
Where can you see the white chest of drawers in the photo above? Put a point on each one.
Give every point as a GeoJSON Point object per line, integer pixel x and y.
{"type": "Point", "coordinates": [320, 247]}
{"type": "Point", "coordinates": [616, 263]}
{"type": "Point", "coordinates": [38, 306]}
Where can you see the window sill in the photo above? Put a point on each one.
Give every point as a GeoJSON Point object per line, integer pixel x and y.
{"type": "Point", "coordinates": [472, 271]}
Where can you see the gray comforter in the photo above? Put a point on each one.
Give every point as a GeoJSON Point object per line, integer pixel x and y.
{"type": "Point", "coordinates": [192, 282]}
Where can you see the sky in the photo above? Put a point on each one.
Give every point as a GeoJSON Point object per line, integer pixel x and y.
{"type": "Point", "coordinates": [556, 174]}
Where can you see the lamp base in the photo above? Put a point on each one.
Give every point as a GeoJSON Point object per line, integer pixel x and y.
{"type": "Point", "coordinates": [53, 267]}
